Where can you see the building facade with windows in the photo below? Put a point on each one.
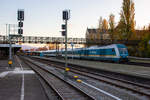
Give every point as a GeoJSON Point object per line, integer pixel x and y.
{"type": "Point", "coordinates": [96, 35]}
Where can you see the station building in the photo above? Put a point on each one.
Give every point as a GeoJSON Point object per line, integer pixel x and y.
{"type": "Point", "coordinates": [95, 34]}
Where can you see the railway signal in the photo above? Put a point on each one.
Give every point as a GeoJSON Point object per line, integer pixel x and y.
{"type": "Point", "coordinates": [66, 14]}
{"type": "Point", "coordinates": [64, 29]}
{"type": "Point", "coordinates": [20, 19]}
{"type": "Point", "coordinates": [21, 15]}
{"type": "Point", "coordinates": [65, 17]}
{"type": "Point", "coordinates": [63, 33]}
{"type": "Point", "coordinates": [63, 26]}
{"type": "Point", "coordinates": [20, 23]}
{"type": "Point", "coordinates": [20, 31]}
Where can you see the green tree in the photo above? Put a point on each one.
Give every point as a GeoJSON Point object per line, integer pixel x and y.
{"type": "Point", "coordinates": [112, 26]}
{"type": "Point", "coordinates": [126, 26]}
{"type": "Point", "coordinates": [144, 46]}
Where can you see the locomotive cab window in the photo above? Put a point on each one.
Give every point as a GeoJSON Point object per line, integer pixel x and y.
{"type": "Point", "coordinates": [123, 51]}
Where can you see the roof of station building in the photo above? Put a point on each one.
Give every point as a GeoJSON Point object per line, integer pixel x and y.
{"type": "Point", "coordinates": [7, 45]}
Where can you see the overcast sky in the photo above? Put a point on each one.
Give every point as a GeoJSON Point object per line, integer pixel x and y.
{"type": "Point", "coordinates": [44, 17]}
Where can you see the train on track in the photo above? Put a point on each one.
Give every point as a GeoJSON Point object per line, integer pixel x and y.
{"type": "Point", "coordinates": [114, 52]}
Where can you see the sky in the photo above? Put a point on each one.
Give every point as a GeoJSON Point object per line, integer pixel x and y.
{"type": "Point", "coordinates": [44, 17]}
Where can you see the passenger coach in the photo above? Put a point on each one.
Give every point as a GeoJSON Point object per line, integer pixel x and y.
{"type": "Point", "coordinates": [114, 52]}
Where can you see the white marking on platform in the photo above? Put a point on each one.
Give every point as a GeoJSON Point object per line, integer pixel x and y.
{"type": "Point", "coordinates": [22, 86]}
{"type": "Point", "coordinates": [20, 71]}
{"type": "Point", "coordinates": [101, 91]}
{"type": "Point", "coordinates": [24, 72]}
{"type": "Point", "coordinates": [3, 74]}
{"type": "Point", "coordinates": [16, 71]}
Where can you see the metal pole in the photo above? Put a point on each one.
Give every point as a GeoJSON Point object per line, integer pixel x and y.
{"type": "Point", "coordinates": [14, 28]}
{"type": "Point", "coordinates": [10, 55]}
{"type": "Point", "coordinates": [72, 51]}
{"type": "Point", "coordinates": [6, 35]}
{"type": "Point", "coordinates": [66, 64]}
{"type": "Point", "coordinates": [6, 30]}
{"type": "Point", "coordinates": [58, 50]}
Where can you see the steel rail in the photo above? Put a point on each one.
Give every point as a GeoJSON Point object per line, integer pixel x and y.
{"type": "Point", "coordinates": [42, 74]}
{"type": "Point", "coordinates": [96, 76]}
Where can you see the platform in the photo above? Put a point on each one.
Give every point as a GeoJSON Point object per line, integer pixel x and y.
{"type": "Point", "coordinates": [19, 82]}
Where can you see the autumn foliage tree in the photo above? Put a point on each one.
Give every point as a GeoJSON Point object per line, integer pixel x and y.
{"type": "Point", "coordinates": [149, 27]}
{"type": "Point", "coordinates": [104, 24]}
{"type": "Point", "coordinates": [100, 23]}
{"type": "Point", "coordinates": [126, 26]}
{"type": "Point", "coordinates": [112, 26]}
{"type": "Point", "coordinates": [103, 27]}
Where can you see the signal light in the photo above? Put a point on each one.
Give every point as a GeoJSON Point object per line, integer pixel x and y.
{"type": "Point", "coordinates": [63, 26]}
{"type": "Point", "coordinates": [20, 15]}
{"type": "Point", "coordinates": [20, 24]}
{"type": "Point", "coordinates": [20, 31]}
{"type": "Point", "coordinates": [20, 19]}
{"type": "Point", "coordinates": [65, 15]}
{"type": "Point", "coordinates": [63, 33]}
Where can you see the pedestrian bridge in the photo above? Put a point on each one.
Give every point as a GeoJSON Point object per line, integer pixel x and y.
{"type": "Point", "coordinates": [45, 40]}
{"type": "Point", "coordinates": [59, 40]}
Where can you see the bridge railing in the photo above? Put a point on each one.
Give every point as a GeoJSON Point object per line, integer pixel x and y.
{"type": "Point", "coordinates": [34, 39]}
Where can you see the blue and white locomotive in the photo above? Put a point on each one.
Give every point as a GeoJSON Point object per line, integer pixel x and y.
{"type": "Point", "coordinates": [114, 52]}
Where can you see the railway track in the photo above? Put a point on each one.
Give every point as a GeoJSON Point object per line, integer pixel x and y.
{"type": "Point", "coordinates": [142, 89]}
{"type": "Point", "coordinates": [63, 89]}
{"type": "Point", "coordinates": [130, 62]}
{"type": "Point", "coordinates": [127, 63]}
{"type": "Point", "coordinates": [84, 88]}
{"type": "Point", "coordinates": [137, 63]}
